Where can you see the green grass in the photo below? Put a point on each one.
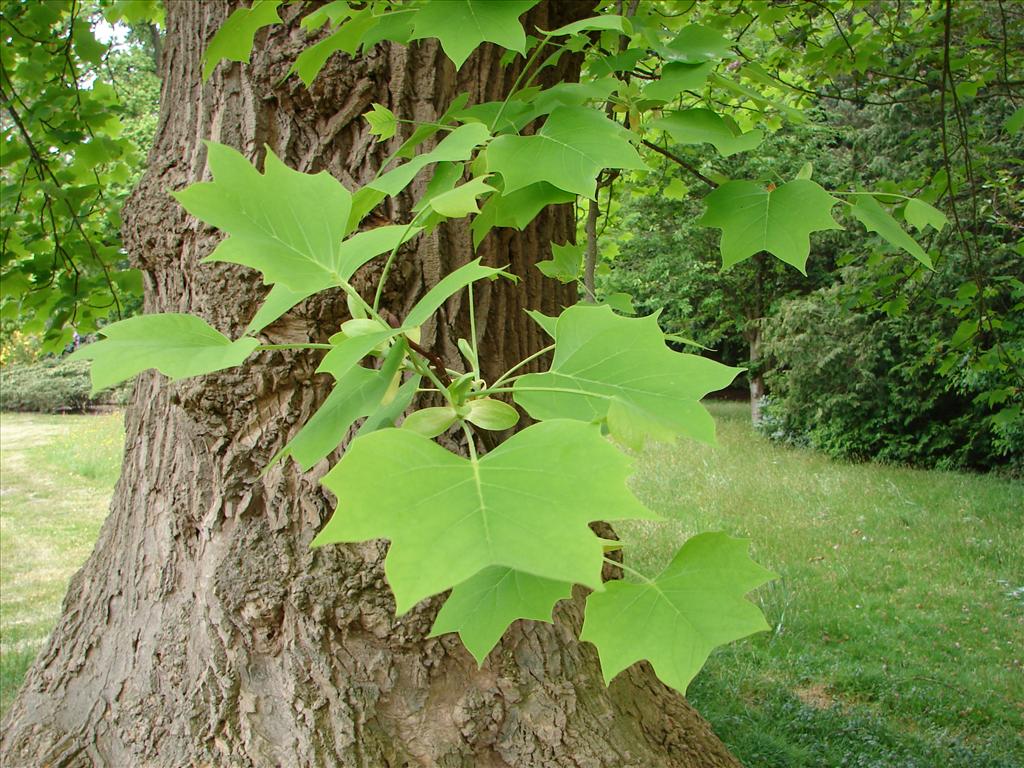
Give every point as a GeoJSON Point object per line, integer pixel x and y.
{"type": "Point", "coordinates": [898, 619]}
{"type": "Point", "coordinates": [58, 473]}
{"type": "Point", "coordinates": [898, 616]}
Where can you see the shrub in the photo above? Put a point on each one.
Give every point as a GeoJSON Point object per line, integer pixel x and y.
{"type": "Point", "coordinates": [864, 385]}
{"type": "Point", "coordinates": [53, 385]}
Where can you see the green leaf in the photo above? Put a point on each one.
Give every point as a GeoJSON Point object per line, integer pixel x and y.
{"type": "Point", "coordinates": [461, 201]}
{"type": "Point", "coordinates": [621, 302]}
{"type": "Point", "coordinates": [234, 39]}
{"type": "Point", "coordinates": [876, 219]}
{"type": "Point", "coordinates": [482, 608]}
{"type": "Point", "coordinates": [446, 287]}
{"type": "Point", "coordinates": [288, 225]}
{"type": "Point", "coordinates": [345, 39]}
{"type": "Point", "coordinates": [449, 517]}
{"type": "Point", "coordinates": [387, 413]}
{"type": "Point", "coordinates": [755, 218]}
{"type": "Point", "coordinates": [279, 300]}
{"type": "Point", "coordinates": [547, 323]}
{"type": "Point", "coordinates": [462, 25]}
{"type": "Point", "coordinates": [516, 209]}
{"type": "Point", "coordinates": [676, 620]}
{"type": "Point", "coordinates": [383, 122]}
{"type": "Point", "coordinates": [177, 345]}
{"type": "Point", "coordinates": [920, 214]}
{"type": "Point", "coordinates": [570, 149]}
{"type": "Point", "coordinates": [617, 23]}
{"type": "Point", "coordinates": [676, 77]}
{"type": "Point", "coordinates": [695, 45]}
{"type": "Point", "coordinates": [698, 126]}
{"type": "Point", "coordinates": [456, 146]}
{"type": "Point", "coordinates": [618, 369]}
{"type": "Point", "coordinates": [565, 264]}
{"type": "Point", "coordinates": [357, 393]}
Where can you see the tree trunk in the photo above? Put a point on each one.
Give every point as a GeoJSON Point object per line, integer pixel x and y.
{"type": "Point", "coordinates": [756, 376]}
{"type": "Point", "coordinates": [203, 630]}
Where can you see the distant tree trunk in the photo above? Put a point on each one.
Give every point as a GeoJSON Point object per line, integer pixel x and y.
{"type": "Point", "coordinates": [756, 377]}
{"type": "Point", "coordinates": [203, 631]}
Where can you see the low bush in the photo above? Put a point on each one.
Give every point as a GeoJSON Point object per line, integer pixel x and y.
{"type": "Point", "coordinates": [54, 385]}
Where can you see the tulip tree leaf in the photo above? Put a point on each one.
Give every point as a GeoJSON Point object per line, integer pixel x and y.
{"type": "Point", "coordinates": [286, 224]}
{"type": "Point", "coordinates": [526, 505]}
{"type": "Point", "coordinates": [920, 215]}
{"type": "Point", "coordinates": [482, 608]}
{"type": "Point", "coordinates": [234, 39]}
{"type": "Point", "coordinates": [695, 45]}
{"type": "Point", "coordinates": [618, 369]}
{"type": "Point", "coordinates": [462, 25]}
{"type": "Point", "coordinates": [876, 219]}
{"type": "Point", "coordinates": [570, 149]}
{"type": "Point", "coordinates": [516, 209]}
{"type": "Point", "coordinates": [461, 201]}
{"type": "Point", "coordinates": [756, 218]}
{"type": "Point", "coordinates": [565, 264]}
{"type": "Point", "coordinates": [676, 77]}
{"type": "Point", "coordinates": [677, 619]}
{"type": "Point", "coordinates": [177, 345]}
{"type": "Point", "coordinates": [698, 126]}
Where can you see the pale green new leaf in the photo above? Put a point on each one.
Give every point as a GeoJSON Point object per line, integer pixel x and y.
{"type": "Point", "coordinates": [177, 345]}
{"type": "Point", "coordinates": [618, 369]}
{"type": "Point", "coordinates": [677, 619]}
{"type": "Point", "coordinates": [698, 126]}
{"type": "Point", "coordinates": [526, 505]}
{"type": "Point", "coordinates": [234, 39]}
{"type": "Point", "coordinates": [876, 219]}
{"type": "Point", "coordinates": [570, 149]}
{"type": "Point", "coordinates": [756, 218]}
{"type": "Point", "coordinates": [482, 608]}
{"type": "Point", "coordinates": [565, 264]}
{"type": "Point", "coordinates": [920, 215]}
{"type": "Point", "coordinates": [618, 23]}
{"type": "Point", "coordinates": [461, 201]}
{"type": "Point", "coordinates": [462, 25]}
{"type": "Point", "coordinates": [383, 122]}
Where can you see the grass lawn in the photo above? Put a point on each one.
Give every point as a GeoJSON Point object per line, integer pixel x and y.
{"type": "Point", "coordinates": [898, 619]}
{"type": "Point", "coordinates": [56, 477]}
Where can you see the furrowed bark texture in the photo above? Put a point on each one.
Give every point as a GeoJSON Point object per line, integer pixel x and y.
{"type": "Point", "coordinates": [203, 631]}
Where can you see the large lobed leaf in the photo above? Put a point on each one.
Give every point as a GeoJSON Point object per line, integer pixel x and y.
{"type": "Point", "coordinates": [462, 25]}
{"type": "Point", "coordinates": [619, 370]}
{"type": "Point", "coordinates": [675, 620]}
{"type": "Point", "coordinates": [526, 506]}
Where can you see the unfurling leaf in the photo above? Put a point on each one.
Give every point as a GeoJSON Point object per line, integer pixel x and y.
{"type": "Point", "coordinates": [876, 219]}
{"type": "Point", "coordinates": [481, 608]}
{"type": "Point", "coordinates": [568, 152]}
{"type": "Point", "coordinates": [618, 369]}
{"type": "Point", "coordinates": [430, 422]}
{"type": "Point", "coordinates": [779, 220]}
{"type": "Point", "coordinates": [491, 414]}
{"type": "Point", "coordinates": [526, 505]}
{"type": "Point", "coordinates": [177, 345]}
{"type": "Point", "coordinates": [677, 619]}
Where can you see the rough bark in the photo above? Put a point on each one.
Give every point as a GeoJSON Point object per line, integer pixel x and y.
{"type": "Point", "coordinates": [203, 631]}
